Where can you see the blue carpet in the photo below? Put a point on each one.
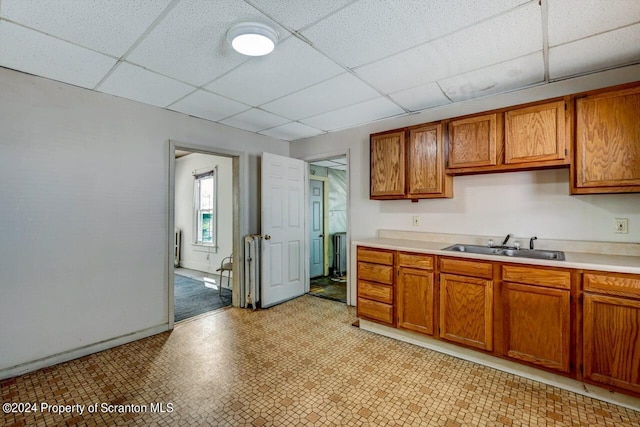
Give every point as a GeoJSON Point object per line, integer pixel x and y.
{"type": "Point", "coordinates": [192, 298]}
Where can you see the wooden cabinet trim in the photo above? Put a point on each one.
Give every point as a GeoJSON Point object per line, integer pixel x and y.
{"type": "Point", "coordinates": [459, 148]}
{"type": "Point", "coordinates": [387, 165]}
{"type": "Point", "coordinates": [376, 256]}
{"type": "Point", "coordinates": [375, 272]}
{"type": "Point", "coordinates": [414, 260]}
{"type": "Point", "coordinates": [375, 291]}
{"type": "Point", "coordinates": [374, 310]}
{"type": "Point", "coordinates": [466, 267]}
{"type": "Point", "coordinates": [537, 276]}
{"type": "Point", "coordinates": [415, 300]}
{"type": "Point", "coordinates": [612, 284]}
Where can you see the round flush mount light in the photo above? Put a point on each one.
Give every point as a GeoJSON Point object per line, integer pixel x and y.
{"type": "Point", "coordinates": [252, 38]}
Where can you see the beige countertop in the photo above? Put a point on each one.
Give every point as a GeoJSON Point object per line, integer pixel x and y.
{"type": "Point", "coordinates": [575, 260]}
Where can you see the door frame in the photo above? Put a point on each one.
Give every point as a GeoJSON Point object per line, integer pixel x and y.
{"type": "Point", "coordinates": [240, 203]}
{"type": "Point", "coordinates": [325, 224]}
{"type": "Point", "coordinates": [328, 156]}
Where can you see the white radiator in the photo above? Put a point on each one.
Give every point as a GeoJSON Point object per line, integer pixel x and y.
{"type": "Point", "coordinates": [177, 247]}
{"type": "Point", "coordinates": [340, 253]}
{"type": "Point", "coordinates": [252, 270]}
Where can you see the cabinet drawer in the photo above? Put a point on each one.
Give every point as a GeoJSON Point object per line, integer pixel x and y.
{"type": "Point", "coordinates": [614, 284]}
{"type": "Point", "coordinates": [375, 310]}
{"type": "Point", "coordinates": [375, 256]}
{"type": "Point", "coordinates": [375, 272]}
{"type": "Point", "coordinates": [424, 262]}
{"type": "Point", "coordinates": [375, 291]}
{"type": "Point", "coordinates": [466, 268]}
{"type": "Point", "coordinates": [536, 276]}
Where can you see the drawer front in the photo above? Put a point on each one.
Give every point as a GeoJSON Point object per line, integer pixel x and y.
{"type": "Point", "coordinates": [423, 262]}
{"type": "Point", "coordinates": [375, 310]}
{"type": "Point", "coordinates": [466, 268]}
{"type": "Point", "coordinates": [614, 284]}
{"type": "Point", "coordinates": [375, 272]}
{"type": "Point", "coordinates": [376, 256]}
{"type": "Point", "coordinates": [537, 276]}
{"type": "Point", "coordinates": [375, 291]}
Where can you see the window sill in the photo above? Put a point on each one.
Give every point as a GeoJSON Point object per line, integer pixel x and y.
{"type": "Point", "coordinates": [201, 247]}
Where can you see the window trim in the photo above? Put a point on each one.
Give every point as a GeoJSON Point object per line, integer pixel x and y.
{"type": "Point", "coordinates": [198, 175]}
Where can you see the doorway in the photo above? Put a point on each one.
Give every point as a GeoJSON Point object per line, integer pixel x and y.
{"type": "Point", "coordinates": [203, 218]}
{"type": "Point", "coordinates": [328, 189]}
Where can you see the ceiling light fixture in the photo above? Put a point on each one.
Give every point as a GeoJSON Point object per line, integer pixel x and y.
{"type": "Point", "coordinates": [252, 38]}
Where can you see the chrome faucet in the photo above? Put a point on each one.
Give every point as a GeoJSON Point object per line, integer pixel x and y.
{"type": "Point", "coordinates": [531, 242]}
{"type": "Point", "coordinates": [506, 239]}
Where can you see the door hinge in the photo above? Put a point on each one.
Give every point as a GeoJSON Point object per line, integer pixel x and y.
{"type": "Point", "coordinates": [565, 107]}
{"type": "Point", "coordinates": [581, 369]}
{"type": "Point", "coordinates": [570, 299]}
{"type": "Point", "coordinates": [566, 151]}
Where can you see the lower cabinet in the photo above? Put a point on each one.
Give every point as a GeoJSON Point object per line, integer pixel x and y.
{"type": "Point", "coordinates": [376, 285]}
{"type": "Point", "coordinates": [537, 325]}
{"type": "Point", "coordinates": [466, 310]}
{"type": "Point", "coordinates": [611, 328]}
{"type": "Point", "coordinates": [415, 292]}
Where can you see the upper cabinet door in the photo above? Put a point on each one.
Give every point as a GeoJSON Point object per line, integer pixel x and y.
{"type": "Point", "coordinates": [534, 134]}
{"type": "Point", "coordinates": [607, 158]}
{"type": "Point", "coordinates": [426, 163]}
{"type": "Point", "coordinates": [388, 165]}
{"type": "Point", "coordinates": [473, 142]}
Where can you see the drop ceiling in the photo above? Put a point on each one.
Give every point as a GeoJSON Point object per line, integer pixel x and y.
{"type": "Point", "coordinates": [338, 64]}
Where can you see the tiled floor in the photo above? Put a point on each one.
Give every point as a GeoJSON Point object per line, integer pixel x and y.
{"type": "Point", "coordinates": [299, 363]}
{"type": "Point", "coordinates": [332, 288]}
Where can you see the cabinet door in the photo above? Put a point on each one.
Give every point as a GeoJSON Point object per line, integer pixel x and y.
{"type": "Point", "coordinates": [466, 310]}
{"type": "Point", "coordinates": [473, 142]}
{"type": "Point", "coordinates": [415, 300]}
{"type": "Point", "coordinates": [388, 165]}
{"type": "Point", "coordinates": [537, 325]}
{"type": "Point", "coordinates": [426, 163]}
{"type": "Point", "coordinates": [534, 134]}
{"type": "Point", "coordinates": [612, 341]}
{"type": "Point", "coordinates": [608, 142]}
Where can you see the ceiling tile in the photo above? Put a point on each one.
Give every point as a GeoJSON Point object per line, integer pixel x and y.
{"type": "Point", "coordinates": [107, 26]}
{"type": "Point", "coordinates": [45, 56]}
{"type": "Point", "coordinates": [254, 120]}
{"type": "Point", "coordinates": [571, 20]}
{"type": "Point", "coordinates": [606, 50]}
{"type": "Point", "coordinates": [498, 78]}
{"type": "Point", "coordinates": [291, 14]}
{"type": "Point", "coordinates": [132, 82]}
{"type": "Point", "coordinates": [331, 94]}
{"type": "Point", "coordinates": [292, 131]}
{"type": "Point", "coordinates": [292, 66]}
{"type": "Point", "coordinates": [190, 43]}
{"type": "Point", "coordinates": [208, 106]}
{"type": "Point", "coordinates": [369, 111]}
{"type": "Point", "coordinates": [502, 38]}
{"type": "Point", "coordinates": [421, 97]}
{"type": "Point", "coordinates": [372, 29]}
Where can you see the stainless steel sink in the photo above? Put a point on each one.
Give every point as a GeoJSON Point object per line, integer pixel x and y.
{"type": "Point", "coordinates": [507, 251]}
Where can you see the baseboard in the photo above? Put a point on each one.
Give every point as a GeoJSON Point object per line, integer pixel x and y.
{"type": "Point", "coordinates": [545, 377]}
{"type": "Point", "coordinates": [55, 359]}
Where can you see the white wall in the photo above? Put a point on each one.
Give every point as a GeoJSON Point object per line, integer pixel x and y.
{"type": "Point", "coordinates": [84, 181]}
{"type": "Point", "coordinates": [194, 256]}
{"type": "Point", "coordinates": [523, 203]}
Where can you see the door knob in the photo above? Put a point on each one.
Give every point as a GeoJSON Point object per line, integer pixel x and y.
{"type": "Point", "coordinates": [267, 237]}
{"type": "Point", "coordinates": [321, 235]}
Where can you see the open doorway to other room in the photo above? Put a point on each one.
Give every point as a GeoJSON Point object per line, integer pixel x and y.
{"type": "Point", "coordinates": [327, 228]}
{"type": "Point", "coordinates": [203, 233]}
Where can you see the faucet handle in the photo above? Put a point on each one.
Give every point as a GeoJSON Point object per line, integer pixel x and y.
{"type": "Point", "coordinates": [516, 244]}
{"type": "Point", "coordinates": [531, 242]}
{"type": "Point", "coordinates": [490, 244]}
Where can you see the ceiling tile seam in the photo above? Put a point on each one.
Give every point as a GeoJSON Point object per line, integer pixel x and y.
{"type": "Point", "coordinates": [330, 110]}
{"type": "Point", "coordinates": [393, 116]}
{"type": "Point", "coordinates": [443, 93]}
{"type": "Point", "coordinates": [294, 121]}
{"type": "Point", "coordinates": [137, 42]}
{"type": "Point", "coordinates": [264, 111]}
{"type": "Point", "coordinates": [299, 90]}
{"type": "Point", "coordinates": [59, 38]}
{"type": "Point", "coordinates": [466, 27]}
{"type": "Point", "coordinates": [598, 70]}
{"type": "Point", "coordinates": [544, 10]}
{"type": "Point", "coordinates": [596, 34]}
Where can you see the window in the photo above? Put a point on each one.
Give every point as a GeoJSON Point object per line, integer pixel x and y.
{"type": "Point", "coordinates": [204, 208]}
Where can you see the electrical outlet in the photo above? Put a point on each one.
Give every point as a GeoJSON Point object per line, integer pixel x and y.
{"type": "Point", "coordinates": [622, 225]}
{"type": "Point", "coordinates": [416, 221]}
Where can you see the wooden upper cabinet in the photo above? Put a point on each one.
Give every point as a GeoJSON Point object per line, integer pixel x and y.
{"type": "Point", "coordinates": [607, 155]}
{"type": "Point", "coordinates": [611, 339]}
{"type": "Point", "coordinates": [536, 133]}
{"type": "Point", "coordinates": [388, 165]}
{"type": "Point", "coordinates": [473, 142]}
{"type": "Point", "coordinates": [426, 164]}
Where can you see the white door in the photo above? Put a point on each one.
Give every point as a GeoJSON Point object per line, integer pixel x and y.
{"type": "Point", "coordinates": [283, 229]}
{"type": "Point", "coordinates": [316, 228]}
